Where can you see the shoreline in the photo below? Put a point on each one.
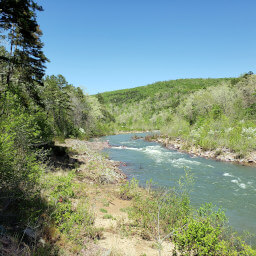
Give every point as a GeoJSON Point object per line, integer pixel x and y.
{"type": "Point", "coordinates": [100, 181]}
{"type": "Point", "coordinates": [219, 154]}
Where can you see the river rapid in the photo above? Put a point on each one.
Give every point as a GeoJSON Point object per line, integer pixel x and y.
{"type": "Point", "coordinates": [230, 186]}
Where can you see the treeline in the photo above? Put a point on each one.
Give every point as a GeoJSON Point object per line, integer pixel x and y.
{"type": "Point", "coordinates": [175, 87]}
{"type": "Point", "coordinates": [209, 113]}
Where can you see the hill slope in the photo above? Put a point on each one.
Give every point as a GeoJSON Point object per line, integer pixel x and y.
{"type": "Point", "coordinates": [150, 107]}
{"type": "Point", "coordinates": [213, 114]}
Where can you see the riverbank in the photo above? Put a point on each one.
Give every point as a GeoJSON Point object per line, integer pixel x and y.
{"type": "Point", "coordinates": [82, 209]}
{"type": "Point", "coordinates": [158, 216]}
{"type": "Point", "coordinates": [219, 154]}
{"type": "Point", "coordinates": [99, 181]}
{"type": "Point", "coordinates": [90, 209]}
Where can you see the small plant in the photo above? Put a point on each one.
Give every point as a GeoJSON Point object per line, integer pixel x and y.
{"type": "Point", "coordinates": [108, 216]}
{"type": "Point", "coordinates": [123, 209]}
{"type": "Point", "coordinates": [129, 190]}
{"type": "Point", "coordinates": [103, 210]}
{"type": "Point", "coordinates": [105, 202]}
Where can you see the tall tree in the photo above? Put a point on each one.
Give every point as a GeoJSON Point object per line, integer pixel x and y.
{"type": "Point", "coordinates": [18, 21]}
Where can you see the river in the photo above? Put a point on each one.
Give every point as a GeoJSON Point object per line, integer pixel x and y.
{"type": "Point", "coordinates": [230, 186]}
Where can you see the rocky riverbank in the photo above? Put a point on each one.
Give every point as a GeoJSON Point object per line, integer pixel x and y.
{"type": "Point", "coordinates": [220, 154]}
{"type": "Point", "coordinates": [86, 153]}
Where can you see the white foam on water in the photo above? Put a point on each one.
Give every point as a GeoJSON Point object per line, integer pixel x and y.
{"type": "Point", "coordinates": [119, 147]}
{"type": "Point", "coordinates": [173, 153]}
{"type": "Point", "coordinates": [187, 161]}
{"type": "Point", "coordinates": [135, 149]}
{"type": "Point", "coordinates": [154, 152]}
{"type": "Point", "coordinates": [227, 174]}
{"type": "Point", "coordinates": [210, 166]}
{"type": "Point", "coordinates": [182, 162]}
{"type": "Point", "coordinates": [129, 148]}
{"type": "Point", "coordinates": [179, 165]}
{"type": "Point", "coordinates": [242, 185]}
{"type": "Point", "coordinates": [249, 182]}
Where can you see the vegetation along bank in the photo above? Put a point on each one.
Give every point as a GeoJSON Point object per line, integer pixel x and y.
{"type": "Point", "coordinates": [208, 117]}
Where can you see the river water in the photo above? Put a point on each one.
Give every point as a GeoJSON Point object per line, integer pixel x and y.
{"type": "Point", "coordinates": [230, 186]}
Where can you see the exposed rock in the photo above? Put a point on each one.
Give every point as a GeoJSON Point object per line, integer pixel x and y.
{"type": "Point", "coordinates": [221, 154]}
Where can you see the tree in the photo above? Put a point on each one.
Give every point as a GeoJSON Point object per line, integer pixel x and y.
{"type": "Point", "coordinates": [57, 103]}
{"type": "Point", "coordinates": [18, 20]}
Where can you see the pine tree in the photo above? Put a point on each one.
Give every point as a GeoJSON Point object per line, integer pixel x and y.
{"type": "Point", "coordinates": [18, 20]}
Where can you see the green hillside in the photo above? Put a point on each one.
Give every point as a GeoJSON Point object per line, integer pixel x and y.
{"type": "Point", "coordinates": [179, 86]}
{"type": "Point", "coordinates": [209, 113]}
{"type": "Point", "coordinates": [150, 107]}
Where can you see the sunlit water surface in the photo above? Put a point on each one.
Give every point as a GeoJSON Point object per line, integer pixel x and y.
{"type": "Point", "coordinates": [233, 187]}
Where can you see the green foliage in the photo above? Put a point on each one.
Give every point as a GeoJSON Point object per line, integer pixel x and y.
{"type": "Point", "coordinates": [72, 220]}
{"type": "Point", "coordinates": [206, 234]}
{"type": "Point", "coordinates": [18, 20]}
{"type": "Point", "coordinates": [158, 212]}
{"type": "Point", "coordinates": [166, 214]}
{"type": "Point", "coordinates": [108, 216]}
{"type": "Point", "coordinates": [33, 111]}
{"type": "Point", "coordinates": [218, 117]}
{"type": "Point", "coordinates": [129, 190]}
{"type": "Point", "coordinates": [70, 111]}
{"type": "Point", "coordinates": [19, 170]}
{"type": "Point", "coordinates": [150, 107]}
{"type": "Point", "coordinates": [209, 113]}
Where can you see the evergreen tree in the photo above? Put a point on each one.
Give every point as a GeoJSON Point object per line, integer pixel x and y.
{"type": "Point", "coordinates": [18, 20]}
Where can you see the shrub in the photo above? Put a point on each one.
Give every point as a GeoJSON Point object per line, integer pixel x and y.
{"type": "Point", "coordinates": [129, 190]}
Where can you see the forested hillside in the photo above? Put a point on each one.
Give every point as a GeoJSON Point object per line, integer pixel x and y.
{"type": "Point", "coordinates": [150, 107]}
{"type": "Point", "coordinates": [210, 113]}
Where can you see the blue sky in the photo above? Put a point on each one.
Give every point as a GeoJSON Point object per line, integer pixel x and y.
{"type": "Point", "coordinates": [104, 45]}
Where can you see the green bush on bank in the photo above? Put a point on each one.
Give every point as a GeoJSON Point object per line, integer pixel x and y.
{"type": "Point", "coordinates": [75, 220]}
{"type": "Point", "coordinates": [20, 131]}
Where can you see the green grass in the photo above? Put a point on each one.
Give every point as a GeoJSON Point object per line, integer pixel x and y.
{"type": "Point", "coordinates": [103, 210]}
{"type": "Point", "coordinates": [108, 216]}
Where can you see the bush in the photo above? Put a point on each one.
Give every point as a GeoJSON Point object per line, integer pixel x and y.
{"type": "Point", "coordinates": [129, 190]}
{"type": "Point", "coordinates": [20, 131]}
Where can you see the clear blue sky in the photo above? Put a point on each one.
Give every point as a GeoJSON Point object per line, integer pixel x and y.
{"type": "Point", "coordinates": [104, 45]}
